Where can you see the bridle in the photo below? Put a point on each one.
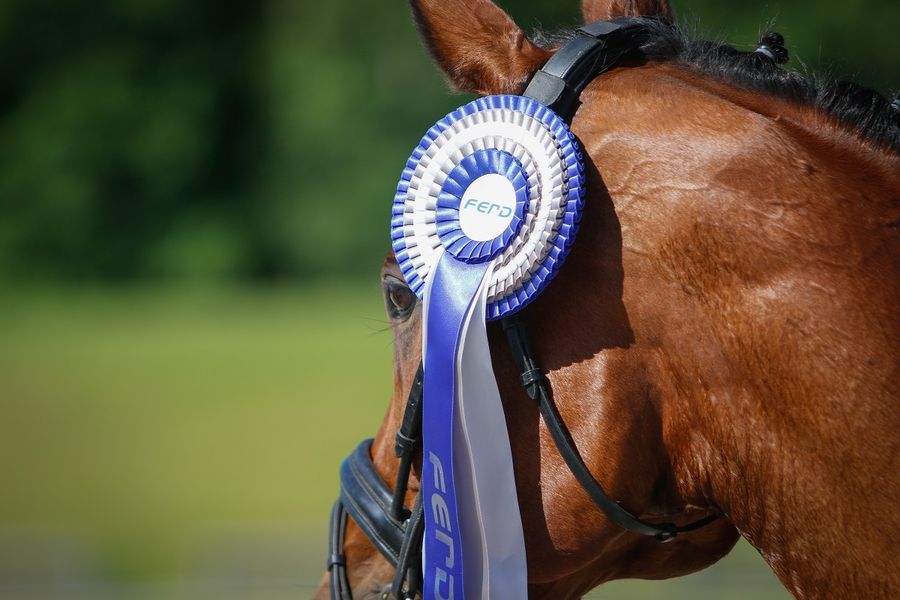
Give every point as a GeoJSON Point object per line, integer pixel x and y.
{"type": "Point", "coordinates": [380, 513]}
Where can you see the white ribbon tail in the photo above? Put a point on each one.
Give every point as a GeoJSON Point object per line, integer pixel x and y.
{"type": "Point", "coordinates": [487, 500]}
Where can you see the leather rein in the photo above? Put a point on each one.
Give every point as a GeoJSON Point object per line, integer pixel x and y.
{"type": "Point", "coordinates": [395, 530]}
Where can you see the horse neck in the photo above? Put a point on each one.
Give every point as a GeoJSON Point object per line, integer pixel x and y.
{"type": "Point", "coordinates": [758, 258]}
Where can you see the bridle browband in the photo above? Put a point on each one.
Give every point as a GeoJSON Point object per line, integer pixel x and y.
{"type": "Point", "coordinates": [380, 512]}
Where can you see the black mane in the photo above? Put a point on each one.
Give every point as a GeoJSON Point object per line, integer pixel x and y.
{"type": "Point", "coordinates": [857, 107]}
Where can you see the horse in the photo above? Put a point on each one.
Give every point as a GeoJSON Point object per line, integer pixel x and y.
{"type": "Point", "coordinates": [723, 338]}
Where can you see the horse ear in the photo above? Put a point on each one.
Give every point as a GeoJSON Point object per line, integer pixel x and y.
{"type": "Point", "coordinates": [603, 10]}
{"type": "Point", "coordinates": [477, 45]}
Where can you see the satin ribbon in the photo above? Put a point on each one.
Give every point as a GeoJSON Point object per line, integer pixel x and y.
{"type": "Point", "coordinates": [473, 547]}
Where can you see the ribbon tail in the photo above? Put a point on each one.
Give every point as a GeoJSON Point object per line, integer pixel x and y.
{"type": "Point", "coordinates": [448, 300]}
{"type": "Point", "coordinates": [488, 503]}
{"type": "Point", "coordinates": [474, 547]}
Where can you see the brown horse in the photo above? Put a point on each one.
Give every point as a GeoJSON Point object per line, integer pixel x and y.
{"type": "Point", "coordinates": [723, 338]}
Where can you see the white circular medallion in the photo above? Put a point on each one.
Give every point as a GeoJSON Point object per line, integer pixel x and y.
{"type": "Point", "coordinates": [487, 207]}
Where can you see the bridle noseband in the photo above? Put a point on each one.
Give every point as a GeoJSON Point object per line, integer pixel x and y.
{"type": "Point", "coordinates": [380, 512]}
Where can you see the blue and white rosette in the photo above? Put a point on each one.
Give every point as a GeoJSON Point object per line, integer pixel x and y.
{"type": "Point", "coordinates": [484, 215]}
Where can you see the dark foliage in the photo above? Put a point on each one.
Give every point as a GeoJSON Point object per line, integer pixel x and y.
{"type": "Point", "coordinates": [154, 140]}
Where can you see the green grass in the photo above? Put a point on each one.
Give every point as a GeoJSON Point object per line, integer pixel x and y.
{"type": "Point", "coordinates": [153, 439]}
{"type": "Point", "coordinates": [146, 422]}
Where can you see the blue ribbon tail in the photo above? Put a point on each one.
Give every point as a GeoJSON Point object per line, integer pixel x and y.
{"type": "Point", "coordinates": [452, 291]}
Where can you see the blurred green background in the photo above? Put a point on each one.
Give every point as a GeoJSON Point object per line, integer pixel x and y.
{"type": "Point", "coordinates": [194, 202]}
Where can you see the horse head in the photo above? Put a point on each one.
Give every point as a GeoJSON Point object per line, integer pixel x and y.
{"type": "Point", "coordinates": [721, 340]}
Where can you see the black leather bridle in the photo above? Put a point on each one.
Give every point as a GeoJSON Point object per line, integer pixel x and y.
{"type": "Point", "coordinates": [395, 530]}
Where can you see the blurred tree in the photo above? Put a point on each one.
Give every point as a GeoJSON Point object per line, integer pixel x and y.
{"type": "Point", "coordinates": [154, 139]}
{"type": "Point", "coordinates": [124, 123]}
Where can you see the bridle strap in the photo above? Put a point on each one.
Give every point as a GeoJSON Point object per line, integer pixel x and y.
{"type": "Point", "coordinates": [595, 49]}
{"type": "Point", "coordinates": [337, 562]}
{"type": "Point", "coordinates": [367, 499]}
{"type": "Point", "coordinates": [407, 441]}
{"type": "Point", "coordinates": [536, 387]}
{"type": "Point", "coordinates": [409, 567]}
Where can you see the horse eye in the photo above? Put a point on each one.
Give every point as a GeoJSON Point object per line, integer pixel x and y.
{"type": "Point", "coordinates": [399, 298]}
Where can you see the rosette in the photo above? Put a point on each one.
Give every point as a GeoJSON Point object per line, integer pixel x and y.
{"type": "Point", "coordinates": [484, 215]}
{"type": "Point", "coordinates": [452, 196]}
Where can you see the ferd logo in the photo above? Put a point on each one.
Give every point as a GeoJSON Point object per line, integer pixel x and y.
{"type": "Point", "coordinates": [487, 207]}
{"type": "Point", "coordinates": [443, 579]}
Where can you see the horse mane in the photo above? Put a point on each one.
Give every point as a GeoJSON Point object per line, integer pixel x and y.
{"type": "Point", "coordinates": [861, 109]}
